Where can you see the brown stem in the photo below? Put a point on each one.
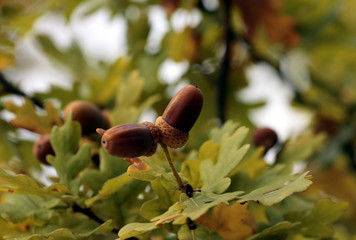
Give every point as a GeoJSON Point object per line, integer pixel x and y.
{"type": "Point", "coordinates": [169, 160]}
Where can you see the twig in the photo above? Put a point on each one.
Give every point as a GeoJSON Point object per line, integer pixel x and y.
{"type": "Point", "coordinates": [87, 212]}
{"type": "Point", "coordinates": [9, 88]}
{"type": "Point", "coordinates": [171, 165]}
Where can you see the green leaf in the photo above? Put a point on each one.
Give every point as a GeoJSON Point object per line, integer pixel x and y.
{"type": "Point", "coordinates": [199, 233]}
{"type": "Point", "coordinates": [135, 229]}
{"type": "Point", "coordinates": [68, 160]}
{"type": "Point", "coordinates": [30, 162]}
{"type": "Point", "coordinates": [59, 234]}
{"type": "Point", "coordinates": [63, 95]}
{"type": "Point", "coordinates": [229, 156]}
{"type": "Point", "coordinates": [110, 167]}
{"type": "Point", "coordinates": [110, 187]}
{"type": "Point", "coordinates": [301, 148]}
{"type": "Point", "coordinates": [315, 224]}
{"type": "Point", "coordinates": [24, 184]}
{"type": "Point", "coordinates": [254, 165]}
{"type": "Point", "coordinates": [7, 148]}
{"type": "Point", "coordinates": [20, 207]}
{"type": "Point", "coordinates": [193, 207]}
{"type": "Point", "coordinates": [277, 188]}
{"type": "Point", "coordinates": [191, 168]}
{"type": "Point", "coordinates": [216, 134]}
{"type": "Point", "coordinates": [163, 200]}
{"type": "Point", "coordinates": [312, 225]}
{"type": "Point", "coordinates": [278, 231]}
{"type": "Point", "coordinates": [70, 6]}
{"type": "Point", "coordinates": [128, 107]}
{"type": "Point", "coordinates": [104, 228]}
{"type": "Point", "coordinates": [24, 20]}
{"type": "Point", "coordinates": [27, 117]}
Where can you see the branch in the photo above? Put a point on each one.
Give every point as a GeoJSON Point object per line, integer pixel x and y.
{"type": "Point", "coordinates": [87, 212]}
{"type": "Point", "coordinates": [221, 83]}
{"type": "Point", "coordinates": [9, 88]}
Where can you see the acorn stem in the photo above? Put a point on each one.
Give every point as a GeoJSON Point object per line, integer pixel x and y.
{"type": "Point", "coordinates": [169, 160]}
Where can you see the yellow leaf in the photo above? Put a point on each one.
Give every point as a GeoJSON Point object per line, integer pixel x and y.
{"type": "Point", "coordinates": [5, 61]}
{"type": "Point", "coordinates": [254, 165]}
{"type": "Point", "coordinates": [233, 222]}
{"type": "Point", "coordinates": [183, 45]}
{"type": "Point", "coordinates": [27, 117]}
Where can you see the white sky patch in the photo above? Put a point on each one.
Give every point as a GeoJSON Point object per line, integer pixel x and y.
{"type": "Point", "coordinates": [182, 18]}
{"type": "Point", "coordinates": [100, 35]}
{"type": "Point", "coordinates": [211, 5]}
{"type": "Point", "coordinates": [170, 71]}
{"type": "Point", "coordinates": [173, 89]}
{"type": "Point", "coordinates": [55, 26]}
{"type": "Point", "coordinates": [159, 27]}
{"type": "Point", "coordinates": [149, 115]}
{"type": "Point", "coordinates": [133, 12]}
{"type": "Point", "coordinates": [33, 71]}
{"type": "Point", "coordinates": [265, 85]}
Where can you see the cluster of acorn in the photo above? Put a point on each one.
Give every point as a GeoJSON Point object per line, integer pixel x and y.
{"type": "Point", "coordinates": [171, 129]}
{"type": "Point", "coordinates": [135, 139]}
{"type": "Point", "coordinates": [87, 114]}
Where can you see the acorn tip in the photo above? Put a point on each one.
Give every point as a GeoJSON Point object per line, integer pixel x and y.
{"type": "Point", "coordinates": [100, 131]}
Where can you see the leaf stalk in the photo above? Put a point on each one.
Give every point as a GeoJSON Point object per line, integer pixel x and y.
{"type": "Point", "coordinates": [171, 165]}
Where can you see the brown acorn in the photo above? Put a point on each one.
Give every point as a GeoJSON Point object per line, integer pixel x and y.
{"type": "Point", "coordinates": [42, 147]}
{"type": "Point", "coordinates": [88, 115]}
{"type": "Point", "coordinates": [130, 140]}
{"type": "Point", "coordinates": [265, 137]}
{"type": "Point", "coordinates": [180, 116]}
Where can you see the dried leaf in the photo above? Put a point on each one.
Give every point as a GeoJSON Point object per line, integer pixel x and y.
{"type": "Point", "coordinates": [232, 222]}
{"type": "Point", "coordinates": [279, 28]}
{"type": "Point", "coordinates": [27, 117]}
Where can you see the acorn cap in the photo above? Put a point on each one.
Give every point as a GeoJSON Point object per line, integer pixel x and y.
{"type": "Point", "coordinates": [183, 110]}
{"type": "Point", "coordinates": [155, 135]}
{"type": "Point", "coordinates": [171, 136]}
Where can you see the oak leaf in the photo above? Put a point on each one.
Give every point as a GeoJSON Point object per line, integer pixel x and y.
{"type": "Point", "coordinates": [233, 222]}
{"type": "Point", "coordinates": [278, 27]}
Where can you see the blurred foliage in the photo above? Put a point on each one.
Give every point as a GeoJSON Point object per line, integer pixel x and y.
{"type": "Point", "coordinates": [307, 192]}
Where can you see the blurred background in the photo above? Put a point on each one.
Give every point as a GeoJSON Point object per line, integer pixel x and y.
{"type": "Point", "coordinates": [287, 65]}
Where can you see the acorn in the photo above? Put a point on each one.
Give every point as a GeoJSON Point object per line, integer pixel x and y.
{"type": "Point", "coordinates": [180, 116]}
{"type": "Point", "coordinates": [88, 115]}
{"type": "Point", "coordinates": [43, 147]}
{"type": "Point", "coordinates": [265, 137]}
{"type": "Point", "coordinates": [130, 140]}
